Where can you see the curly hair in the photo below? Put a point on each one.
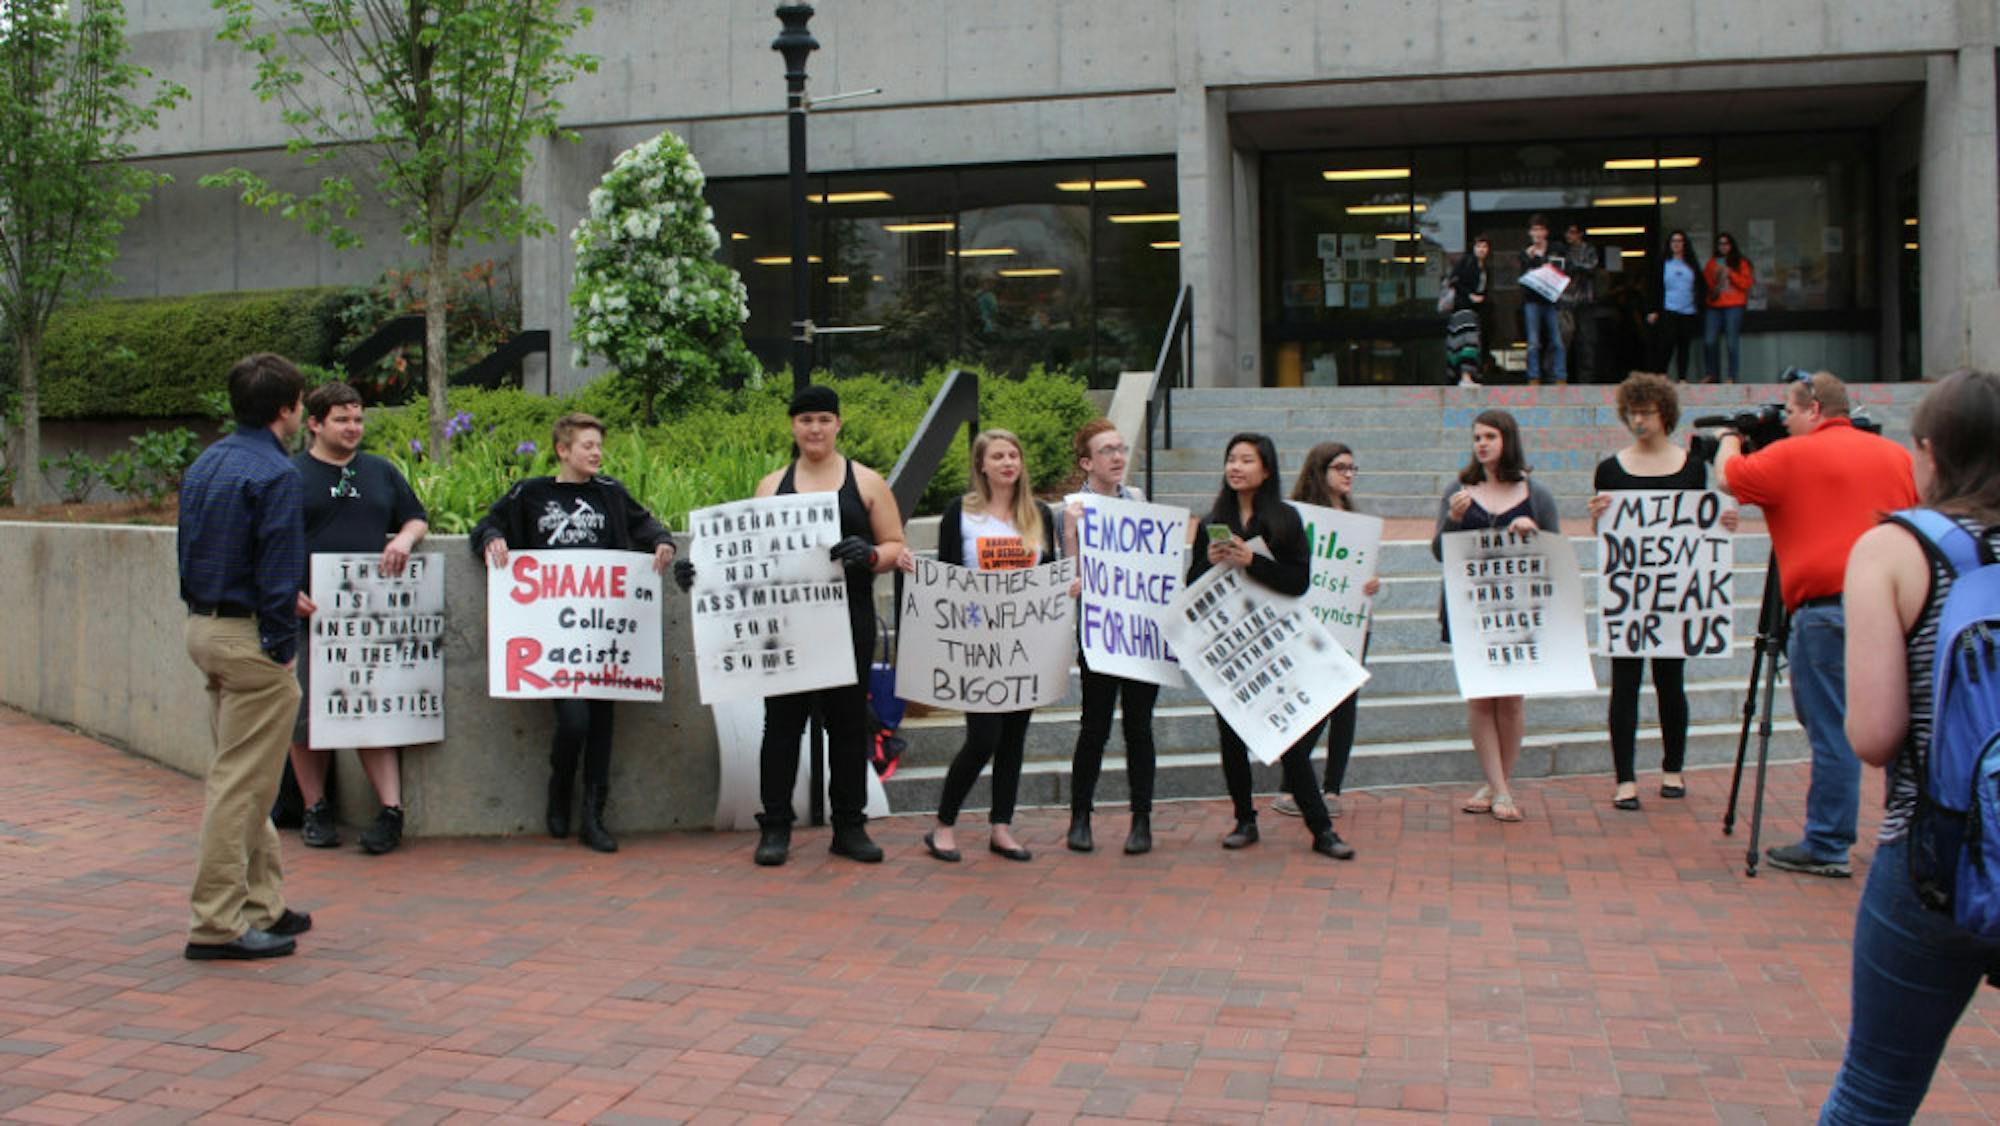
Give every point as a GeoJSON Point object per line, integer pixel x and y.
{"type": "Point", "coordinates": [1644, 389]}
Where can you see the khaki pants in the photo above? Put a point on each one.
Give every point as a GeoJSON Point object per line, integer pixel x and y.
{"type": "Point", "coordinates": [252, 701]}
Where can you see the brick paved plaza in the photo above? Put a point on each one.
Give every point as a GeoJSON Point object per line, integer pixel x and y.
{"type": "Point", "coordinates": [1586, 965]}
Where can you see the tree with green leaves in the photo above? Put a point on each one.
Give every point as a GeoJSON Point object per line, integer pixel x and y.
{"type": "Point", "coordinates": [70, 104]}
{"type": "Point", "coordinates": [440, 100]}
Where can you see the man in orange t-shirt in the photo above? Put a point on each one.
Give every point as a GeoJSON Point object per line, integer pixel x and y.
{"type": "Point", "coordinates": [1820, 489]}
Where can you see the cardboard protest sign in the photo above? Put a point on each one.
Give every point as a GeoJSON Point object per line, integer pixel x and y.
{"type": "Point", "coordinates": [986, 641]}
{"type": "Point", "coordinates": [1267, 667]}
{"type": "Point", "coordinates": [376, 652]}
{"type": "Point", "coordinates": [1516, 611]}
{"type": "Point", "coordinates": [574, 623]}
{"type": "Point", "coordinates": [1132, 556]}
{"type": "Point", "coordinates": [1665, 586]}
{"type": "Point", "coordinates": [1345, 550]}
{"type": "Point", "coordinates": [1547, 282]}
{"type": "Point", "coordinates": [769, 604]}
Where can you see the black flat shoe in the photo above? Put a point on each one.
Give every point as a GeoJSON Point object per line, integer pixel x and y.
{"type": "Point", "coordinates": [1330, 844]}
{"type": "Point", "coordinates": [852, 842]}
{"type": "Point", "coordinates": [1243, 836]}
{"type": "Point", "coordinates": [1015, 853]}
{"type": "Point", "coordinates": [252, 943]}
{"type": "Point", "coordinates": [1668, 790]}
{"type": "Point", "coordinates": [1626, 803]}
{"type": "Point", "coordinates": [290, 923]}
{"type": "Point", "coordinates": [948, 855]}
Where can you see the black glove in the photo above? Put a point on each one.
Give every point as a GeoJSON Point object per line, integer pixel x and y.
{"type": "Point", "coordinates": [684, 574]}
{"type": "Point", "coordinates": [854, 553]}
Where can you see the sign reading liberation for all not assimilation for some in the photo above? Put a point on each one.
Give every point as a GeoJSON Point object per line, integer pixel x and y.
{"type": "Point", "coordinates": [1516, 611]}
{"type": "Point", "coordinates": [1132, 556]}
{"type": "Point", "coordinates": [377, 660]}
{"type": "Point", "coordinates": [1665, 579]}
{"type": "Point", "coordinates": [574, 623]}
{"type": "Point", "coordinates": [986, 641]}
{"type": "Point", "coordinates": [769, 604]}
{"type": "Point", "coordinates": [1267, 667]}
{"type": "Point", "coordinates": [1345, 546]}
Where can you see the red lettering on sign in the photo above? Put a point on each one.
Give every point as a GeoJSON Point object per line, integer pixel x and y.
{"type": "Point", "coordinates": [522, 653]}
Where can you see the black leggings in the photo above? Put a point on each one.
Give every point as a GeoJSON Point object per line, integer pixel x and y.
{"type": "Point", "coordinates": [1297, 764]}
{"type": "Point", "coordinates": [583, 726]}
{"type": "Point", "coordinates": [1671, 693]}
{"type": "Point", "coordinates": [1677, 341]}
{"type": "Point", "coordinates": [845, 712]}
{"type": "Point", "coordinates": [1100, 696]}
{"type": "Point", "coordinates": [1001, 737]}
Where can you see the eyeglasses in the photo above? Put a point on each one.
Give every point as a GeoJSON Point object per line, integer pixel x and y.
{"type": "Point", "coordinates": [1112, 451]}
{"type": "Point", "coordinates": [1347, 469]}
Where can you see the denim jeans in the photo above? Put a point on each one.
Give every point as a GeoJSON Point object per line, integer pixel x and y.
{"type": "Point", "coordinates": [1728, 322]}
{"type": "Point", "coordinates": [1545, 332]}
{"type": "Point", "coordinates": [1819, 698]}
{"type": "Point", "coordinates": [1914, 972]}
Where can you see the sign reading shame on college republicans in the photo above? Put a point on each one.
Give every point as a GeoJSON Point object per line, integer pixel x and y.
{"type": "Point", "coordinates": [1271, 672]}
{"type": "Point", "coordinates": [986, 641]}
{"type": "Point", "coordinates": [574, 623]}
{"type": "Point", "coordinates": [1665, 575]}
{"type": "Point", "coordinates": [376, 664]}
{"type": "Point", "coordinates": [1345, 546]}
{"type": "Point", "coordinates": [1515, 603]}
{"type": "Point", "coordinates": [1132, 556]}
{"type": "Point", "coordinates": [769, 603]}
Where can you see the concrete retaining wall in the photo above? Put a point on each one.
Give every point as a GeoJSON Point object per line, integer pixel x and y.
{"type": "Point", "coordinates": [95, 640]}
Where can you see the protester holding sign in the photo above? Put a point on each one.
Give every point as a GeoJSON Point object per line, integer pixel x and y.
{"type": "Point", "coordinates": [1101, 456]}
{"type": "Point", "coordinates": [1649, 408]}
{"type": "Point", "coordinates": [1252, 528]}
{"type": "Point", "coordinates": [353, 501]}
{"type": "Point", "coordinates": [577, 508]}
{"type": "Point", "coordinates": [871, 541]}
{"type": "Point", "coordinates": [1327, 480]}
{"type": "Point", "coordinates": [998, 526]}
{"type": "Point", "coordinates": [1493, 491]}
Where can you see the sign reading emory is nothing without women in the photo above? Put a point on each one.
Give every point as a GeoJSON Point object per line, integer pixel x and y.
{"type": "Point", "coordinates": [377, 662]}
{"type": "Point", "coordinates": [769, 603]}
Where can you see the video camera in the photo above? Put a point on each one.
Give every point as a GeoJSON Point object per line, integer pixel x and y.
{"type": "Point", "coordinates": [1760, 426]}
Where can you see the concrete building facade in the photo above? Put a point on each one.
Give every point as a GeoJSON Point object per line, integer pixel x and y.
{"type": "Point", "coordinates": [1850, 144]}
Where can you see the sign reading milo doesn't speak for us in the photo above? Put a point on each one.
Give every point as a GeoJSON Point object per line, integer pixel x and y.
{"type": "Point", "coordinates": [1665, 575]}
{"type": "Point", "coordinates": [574, 623]}
{"type": "Point", "coordinates": [769, 604]}
{"type": "Point", "coordinates": [986, 641]}
{"type": "Point", "coordinates": [376, 652]}
{"type": "Point", "coordinates": [1516, 610]}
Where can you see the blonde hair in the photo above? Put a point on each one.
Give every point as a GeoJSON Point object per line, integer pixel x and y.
{"type": "Point", "coordinates": [1027, 514]}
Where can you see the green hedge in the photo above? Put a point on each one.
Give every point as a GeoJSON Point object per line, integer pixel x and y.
{"type": "Point", "coordinates": [156, 357]}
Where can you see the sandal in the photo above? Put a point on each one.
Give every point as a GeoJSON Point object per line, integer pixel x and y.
{"type": "Point", "coordinates": [1481, 801]}
{"type": "Point", "coordinates": [1671, 790]}
{"type": "Point", "coordinates": [1504, 808]}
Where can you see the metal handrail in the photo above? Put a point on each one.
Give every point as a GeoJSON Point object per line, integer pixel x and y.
{"type": "Point", "coordinates": [489, 371]}
{"type": "Point", "coordinates": [396, 333]}
{"type": "Point", "coordinates": [956, 404]}
{"type": "Point", "coordinates": [1174, 368]}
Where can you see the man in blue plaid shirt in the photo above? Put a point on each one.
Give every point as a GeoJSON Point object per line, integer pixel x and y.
{"type": "Point", "coordinates": [242, 563]}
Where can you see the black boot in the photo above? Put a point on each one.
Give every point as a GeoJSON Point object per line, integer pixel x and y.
{"type": "Point", "coordinates": [1243, 836]}
{"type": "Point", "coordinates": [1079, 833]}
{"type": "Point", "coordinates": [1140, 839]}
{"type": "Point", "coordinates": [1330, 844]}
{"type": "Point", "coordinates": [592, 833]}
{"type": "Point", "coordinates": [774, 842]}
{"type": "Point", "coordinates": [562, 792]}
{"type": "Point", "coordinates": [852, 842]}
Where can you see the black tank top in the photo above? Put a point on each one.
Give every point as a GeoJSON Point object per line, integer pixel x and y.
{"type": "Point", "coordinates": [854, 521]}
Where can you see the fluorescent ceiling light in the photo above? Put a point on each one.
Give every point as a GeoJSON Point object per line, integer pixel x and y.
{"type": "Point", "coordinates": [838, 279]}
{"type": "Point", "coordinates": [1170, 244]}
{"type": "Point", "coordinates": [738, 236]}
{"type": "Point", "coordinates": [1399, 236]}
{"type": "Point", "coordinates": [1340, 174]}
{"type": "Point", "coordinates": [1614, 230]}
{"type": "Point", "coordinates": [1032, 272]}
{"type": "Point", "coordinates": [1147, 217]}
{"type": "Point", "coordinates": [1910, 222]}
{"type": "Point", "coordinates": [985, 252]}
{"type": "Point", "coordinates": [1099, 185]}
{"type": "Point", "coordinates": [920, 228]}
{"type": "Point", "coordinates": [1647, 163]}
{"type": "Point", "coordinates": [873, 196]}
{"type": "Point", "coordinates": [1410, 260]}
{"type": "Point", "coordinates": [1386, 209]}
{"type": "Point", "coordinates": [784, 260]}
{"type": "Point", "coordinates": [1630, 253]}
{"type": "Point", "coordinates": [1909, 246]}
{"type": "Point", "coordinates": [1634, 200]}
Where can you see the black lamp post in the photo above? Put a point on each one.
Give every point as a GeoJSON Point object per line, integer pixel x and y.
{"type": "Point", "coordinates": [796, 43]}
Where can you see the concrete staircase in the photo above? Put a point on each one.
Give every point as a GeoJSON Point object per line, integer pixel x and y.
{"type": "Point", "coordinates": [1410, 442]}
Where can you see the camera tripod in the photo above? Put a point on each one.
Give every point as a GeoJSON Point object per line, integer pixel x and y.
{"type": "Point", "coordinates": [1774, 626]}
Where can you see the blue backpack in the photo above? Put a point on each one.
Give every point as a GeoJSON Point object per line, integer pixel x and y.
{"type": "Point", "coordinates": [1955, 857]}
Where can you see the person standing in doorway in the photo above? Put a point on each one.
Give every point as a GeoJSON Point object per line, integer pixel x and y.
{"type": "Point", "coordinates": [1728, 278]}
{"type": "Point", "coordinates": [242, 550]}
{"type": "Point", "coordinates": [1547, 359]}
{"type": "Point", "coordinates": [353, 502]}
{"type": "Point", "coordinates": [1576, 308]}
{"type": "Point", "coordinates": [1679, 292]}
{"type": "Point", "coordinates": [1465, 351]}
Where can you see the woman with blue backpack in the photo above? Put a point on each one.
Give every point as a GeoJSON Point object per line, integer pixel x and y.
{"type": "Point", "coordinates": [1928, 927]}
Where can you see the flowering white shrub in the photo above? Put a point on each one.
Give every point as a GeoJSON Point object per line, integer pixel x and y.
{"type": "Point", "coordinates": [649, 296]}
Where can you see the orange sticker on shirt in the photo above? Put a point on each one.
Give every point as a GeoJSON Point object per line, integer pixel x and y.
{"type": "Point", "coordinates": [1003, 553]}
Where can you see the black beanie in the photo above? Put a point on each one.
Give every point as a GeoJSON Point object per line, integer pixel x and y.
{"type": "Point", "coordinates": [815, 397]}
